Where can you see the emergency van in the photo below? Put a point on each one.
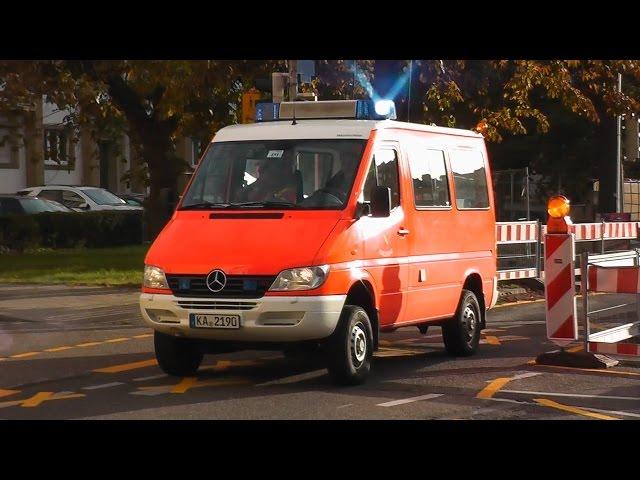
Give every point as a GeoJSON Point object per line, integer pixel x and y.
{"type": "Point", "coordinates": [319, 228]}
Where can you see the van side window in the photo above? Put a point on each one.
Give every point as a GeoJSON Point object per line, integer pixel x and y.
{"type": "Point", "coordinates": [429, 174]}
{"type": "Point", "coordinates": [383, 173]}
{"type": "Point", "coordinates": [470, 178]}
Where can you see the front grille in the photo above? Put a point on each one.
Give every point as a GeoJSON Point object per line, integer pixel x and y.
{"type": "Point", "coordinates": [216, 305]}
{"type": "Point", "coordinates": [238, 286]}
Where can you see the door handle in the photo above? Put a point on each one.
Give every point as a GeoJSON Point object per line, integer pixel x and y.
{"type": "Point", "coordinates": [403, 231]}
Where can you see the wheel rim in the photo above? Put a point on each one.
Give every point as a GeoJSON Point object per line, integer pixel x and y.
{"type": "Point", "coordinates": [470, 321]}
{"type": "Point", "coordinates": [358, 344]}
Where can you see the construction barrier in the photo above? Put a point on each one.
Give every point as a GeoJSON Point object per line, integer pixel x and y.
{"type": "Point", "coordinates": [520, 244]}
{"type": "Point", "coordinates": [560, 288]}
{"type": "Point", "coordinates": [613, 273]}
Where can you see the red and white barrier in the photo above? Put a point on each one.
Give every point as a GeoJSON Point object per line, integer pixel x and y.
{"type": "Point", "coordinates": [560, 287]}
{"type": "Point", "coordinates": [516, 232]}
{"type": "Point", "coordinates": [614, 279]}
{"type": "Point", "coordinates": [524, 232]}
{"type": "Point", "coordinates": [615, 348]}
{"type": "Point", "coordinates": [517, 274]}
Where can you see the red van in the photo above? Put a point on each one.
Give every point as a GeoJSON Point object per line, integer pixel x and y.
{"type": "Point", "coordinates": [321, 226]}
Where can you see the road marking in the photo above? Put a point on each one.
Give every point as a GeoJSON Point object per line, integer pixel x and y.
{"type": "Point", "coordinates": [88, 344]}
{"type": "Point", "coordinates": [614, 412]}
{"type": "Point", "coordinates": [397, 352]}
{"type": "Point", "coordinates": [145, 335]}
{"type": "Point", "coordinates": [344, 406]}
{"type": "Point", "coordinates": [526, 375]}
{"type": "Point", "coordinates": [491, 340]}
{"type": "Point", "coordinates": [410, 400]}
{"type": "Point", "coordinates": [600, 370]}
{"type": "Point", "coordinates": [151, 377]}
{"type": "Point", "coordinates": [40, 397]}
{"type": "Point", "coordinates": [522, 302]}
{"type": "Point", "coordinates": [567, 408]}
{"type": "Point", "coordinates": [576, 395]}
{"type": "Point", "coordinates": [23, 355]}
{"type": "Point", "coordinates": [104, 385]}
{"type": "Point", "coordinates": [491, 389]}
{"type": "Point", "coordinates": [188, 383]}
{"type": "Point", "coordinates": [294, 378]}
{"type": "Point", "coordinates": [114, 340]}
{"type": "Point", "coordinates": [127, 366]}
{"type": "Point", "coordinates": [184, 385]}
{"type": "Point", "coordinates": [6, 393]}
{"type": "Point", "coordinates": [577, 348]}
{"type": "Point", "coordinates": [58, 349]}
{"type": "Point", "coordinates": [225, 364]}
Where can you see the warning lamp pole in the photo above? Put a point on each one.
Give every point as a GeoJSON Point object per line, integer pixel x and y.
{"type": "Point", "coordinates": [619, 179]}
{"type": "Point", "coordinates": [293, 80]}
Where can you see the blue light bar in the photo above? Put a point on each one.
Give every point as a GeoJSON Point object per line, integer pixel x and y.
{"type": "Point", "coordinates": [330, 109]}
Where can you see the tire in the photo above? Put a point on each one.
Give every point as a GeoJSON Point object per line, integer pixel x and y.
{"type": "Point", "coordinates": [461, 334]}
{"type": "Point", "coordinates": [350, 347]}
{"type": "Point", "coordinates": [176, 356]}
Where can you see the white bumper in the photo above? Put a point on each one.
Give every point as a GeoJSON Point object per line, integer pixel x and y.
{"type": "Point", "coordinates": [268, 319]}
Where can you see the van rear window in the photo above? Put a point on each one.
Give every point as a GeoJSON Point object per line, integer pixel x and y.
{"type": "Point", "coordinates": [469, 178]}
{"type": "Point", "coordinates": [429, 174]}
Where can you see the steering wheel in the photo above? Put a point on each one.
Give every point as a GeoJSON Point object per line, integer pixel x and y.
{"type": "Point", "coordinates": [329, 192]}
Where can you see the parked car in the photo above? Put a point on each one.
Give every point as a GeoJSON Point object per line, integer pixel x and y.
{"type": "Point", "coordinates": [134, 199]}
{"type": "Point", "coordinates": [20, 205]}
{"type": "Point", "coordinates": [79, 198]}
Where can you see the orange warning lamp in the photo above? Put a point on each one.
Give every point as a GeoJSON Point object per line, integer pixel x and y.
{"type": "Point", "coordinates": [558, 208]}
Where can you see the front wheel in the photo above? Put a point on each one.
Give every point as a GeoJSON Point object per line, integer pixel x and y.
{"type": "Point", "coordinates": [350, 347]}
{"type": "Point", "coordinates": [177, 356]}
{"type": "Point", "coordinates": [461, 334]}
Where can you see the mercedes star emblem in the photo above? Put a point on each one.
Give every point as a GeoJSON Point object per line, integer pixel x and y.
{"type": "Point", "coordinates": [216, 280]}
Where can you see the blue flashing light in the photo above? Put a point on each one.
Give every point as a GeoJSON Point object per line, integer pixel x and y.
{"type": "Point", "coordinates": [357, 109]}
{"type": "Point", "coordinates": [385, 108]}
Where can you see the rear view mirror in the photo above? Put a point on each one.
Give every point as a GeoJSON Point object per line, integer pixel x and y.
{"type": "Point", "coordinates": [84, 206]}
{"type": "Point", "coordinates": [381, 202]}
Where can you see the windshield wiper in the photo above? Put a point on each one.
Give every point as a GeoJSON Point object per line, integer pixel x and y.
{"type": "Point", "coordinates": [204, 205]}
{"type": "Point", "coordinates": [265, 204]}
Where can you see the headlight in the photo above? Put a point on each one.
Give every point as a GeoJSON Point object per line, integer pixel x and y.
{"type": "Point", "coordinates": [154, 277]}
{"type": "Point", "coordinates": [305, 278]}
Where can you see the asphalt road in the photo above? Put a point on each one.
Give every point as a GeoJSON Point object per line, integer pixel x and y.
{"type": "Point", "coordinates": [83, 353]}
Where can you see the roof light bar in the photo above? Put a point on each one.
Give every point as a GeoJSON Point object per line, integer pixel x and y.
{"type": "Point", "coordinates": [328, 109]}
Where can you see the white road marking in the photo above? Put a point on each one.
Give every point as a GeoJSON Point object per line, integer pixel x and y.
{"type": "Point", "coordinates": [347, 405]}
{"type": "Point", "coordinates": [410, 400]}
{"type": "Point", "coordinates": [104, 385]}
{"type": "Point", "coordinates": [151, 377]}
{"type": "Point", "coordinates": [576, 395]}
{"type": "Point", "coordinates": [150, 393]}
{"type": "Point", "coordinates": [613, 412]}
{"type": "Point", "coordinates": [526, 375]}
{"type": "Point", "coordinates": [293, 378]}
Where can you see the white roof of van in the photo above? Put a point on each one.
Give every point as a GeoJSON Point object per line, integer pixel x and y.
{"type": "Point", "coordinates": [325, 128]}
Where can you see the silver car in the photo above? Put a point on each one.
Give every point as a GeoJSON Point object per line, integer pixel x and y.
{"type": "Point", "coordinates": [79, 199]}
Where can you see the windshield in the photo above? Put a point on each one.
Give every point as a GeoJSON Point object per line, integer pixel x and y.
{"type": "Point", "coordinates": [35, 205]}
{"type": "Point", "coordinates": [296, 174]}
{"type": "Point", "coordinates": [103, 197]}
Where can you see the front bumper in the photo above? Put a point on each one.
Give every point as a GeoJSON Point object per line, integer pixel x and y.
{"type": "Point", "coordinates": [266, 319]}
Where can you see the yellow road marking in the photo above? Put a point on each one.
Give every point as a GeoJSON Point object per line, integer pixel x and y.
{"type": "Point", "coordinates": [143, 336]}
{"type": "Point", "coordinates": [184, 385]}
{"type": "Point", "coordinates": [511, 304]}
{"type": "Point", "coordinates": [577, 348]}
{"type": "Point", "coordinates": [26, 354]}
{"type": "Point", "coordinates": [127, 366]}
{"type": "Point", "coordinates": [491, 340]}
{"type": "Point", "coordinates": [601, 370]}
{"type": "Point", "coordinates": [224, 364]}
{"type": "Point", "coordinates": [6, 393]}
{"type": "Point", "coordinates": [567, 408]}
{"type": "Point", "coordinates": [114, 340]}
{"type": "Point", "coordinates": [88, 344]}
{"type": "Point", "coordinates": [37, 399]}
{"type": "Point", "coordinates": [491, 389]}
{"type": "Point", "coordinates": [58, 349]}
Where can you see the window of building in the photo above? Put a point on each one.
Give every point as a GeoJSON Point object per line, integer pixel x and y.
{"type": "Point", "coordinates": [9, 149]}
{"type": "Point", "coordinates": [59, 148]}
{"type": "Point", "coordinates": [470, 179]}
{"type": "Point", "coordinates": [429, 174]}
{"type": "Point", "coordinates": [383, 173]}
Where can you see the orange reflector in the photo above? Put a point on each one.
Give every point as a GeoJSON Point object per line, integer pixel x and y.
{"type": "Point", "coordinates": [558, 206]}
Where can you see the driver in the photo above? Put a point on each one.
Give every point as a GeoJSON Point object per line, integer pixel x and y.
{"type": "Point", "coordinates": [276, 181]}
{"type": "Point", "coordinates": [340, 183]}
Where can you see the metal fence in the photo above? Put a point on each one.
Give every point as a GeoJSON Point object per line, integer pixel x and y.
{"type": "Point", "coordinates": [521, 246]}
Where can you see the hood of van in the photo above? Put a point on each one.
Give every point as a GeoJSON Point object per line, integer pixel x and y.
{"type": "Point", "coordinates": [194, 243]}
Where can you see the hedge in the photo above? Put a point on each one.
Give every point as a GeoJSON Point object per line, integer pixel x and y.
{"type": "Point", "coordinates": [71, 229]}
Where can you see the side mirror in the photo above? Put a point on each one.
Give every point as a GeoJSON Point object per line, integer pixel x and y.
{"type": "Point", "coordinates": [84, 206]}
{"type": "Point", "coordinates": [363, 210]}
{"type": "Point", "coordinates": [381, 202]}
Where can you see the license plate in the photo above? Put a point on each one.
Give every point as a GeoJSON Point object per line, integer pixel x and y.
{"type": "Point", "coordinates": [199, 320]}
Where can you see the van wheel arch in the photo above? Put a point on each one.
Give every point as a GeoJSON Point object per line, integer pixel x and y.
{"type": "Point", "coordinates": [361, 294]}
{"type": "Point", "coordinates": [473, 282]}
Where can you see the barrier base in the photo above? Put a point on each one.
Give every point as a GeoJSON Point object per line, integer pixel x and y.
{"type": "Point", "coordinates": [576, 359]}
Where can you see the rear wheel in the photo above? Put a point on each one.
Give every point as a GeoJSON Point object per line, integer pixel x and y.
{"type": "Point", "coordinates": [177, 356]}
{"type": "Point", "coordinates": [461, 334]}
{"type": "Point", "coordinates": [350, 347]}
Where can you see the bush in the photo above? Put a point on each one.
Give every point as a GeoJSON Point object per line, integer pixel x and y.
{"type": "Point", "coordinates": [71, 229]}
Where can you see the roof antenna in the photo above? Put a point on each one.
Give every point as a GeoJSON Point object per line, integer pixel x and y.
{"type": "Point", "coordinates": [294, 115]}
